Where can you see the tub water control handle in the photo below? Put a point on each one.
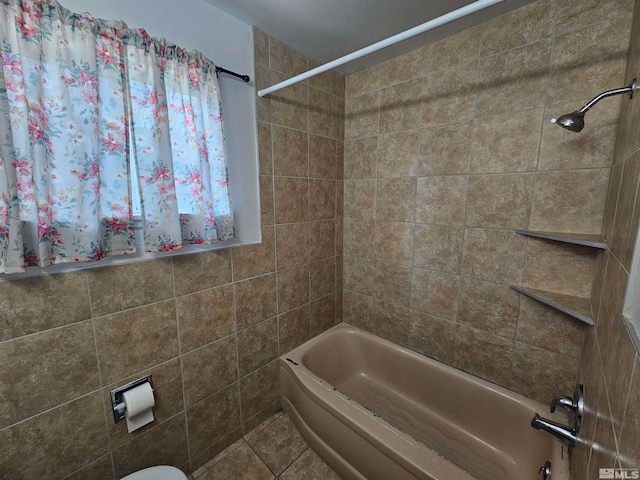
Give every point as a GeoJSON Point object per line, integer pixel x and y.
{"type": "Point", "coordinates": [545, 470]}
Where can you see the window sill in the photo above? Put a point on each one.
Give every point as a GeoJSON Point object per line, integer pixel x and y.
{"type": "Point", "coordinates": [139, 256]}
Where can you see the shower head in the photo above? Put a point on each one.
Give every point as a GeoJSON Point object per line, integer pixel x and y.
{"type": "Point", "coordinates": [574, 121]}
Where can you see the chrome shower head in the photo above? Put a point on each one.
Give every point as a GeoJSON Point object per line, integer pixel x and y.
{"type": "Point", "coordinates": [574, 121]}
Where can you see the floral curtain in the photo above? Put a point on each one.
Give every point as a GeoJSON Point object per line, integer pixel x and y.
{"type": "Point", "coordinates": [64, 193]}
{"type": "Point", "coordinates": [72, 90]}
{"type": "Point", "coordinates": [178, 144]}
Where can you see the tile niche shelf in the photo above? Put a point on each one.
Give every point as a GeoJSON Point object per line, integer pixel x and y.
{"type": "Point", "coordinates": [576, 307]}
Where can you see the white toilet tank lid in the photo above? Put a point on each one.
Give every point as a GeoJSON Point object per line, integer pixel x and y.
{"type": "Point", "coordinates": [162, 472]}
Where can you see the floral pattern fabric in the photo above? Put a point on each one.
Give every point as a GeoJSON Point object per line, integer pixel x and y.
{"type": "Point", "coordinates": [71, 87]}
{"type": "Point", "coordinates": [64, 193]}
{"type": "Point", "coordinates": [179, 145]}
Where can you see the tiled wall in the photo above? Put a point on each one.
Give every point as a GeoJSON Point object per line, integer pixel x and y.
{"type": "Point", "coordinates": [610, 367]}
{"type": "Point", "coordinates": [448, 150]}
{"type": "Point", "coordinates": [209, 326]}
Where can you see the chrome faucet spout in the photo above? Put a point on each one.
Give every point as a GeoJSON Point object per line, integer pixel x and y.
{"type": "Point", "coordinates": [564, 402]}
{"type": "Point", "coordinates": [567, 435]}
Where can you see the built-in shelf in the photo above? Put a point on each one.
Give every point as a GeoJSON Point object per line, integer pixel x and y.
{"type": "Point", "coordinates": [595, 241]}
{"type": "Point", "coordinates": [577, 307]}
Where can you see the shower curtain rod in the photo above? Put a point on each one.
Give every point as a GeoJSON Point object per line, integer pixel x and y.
{"type": "Point", "coordinates": [412, 32]}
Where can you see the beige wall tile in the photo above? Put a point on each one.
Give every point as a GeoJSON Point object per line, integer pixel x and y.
{"type": "Point", "coordinates": [364, 81]}
{"type": "Point", "coordinates": [292, 245]}
{"type": "Point", "coordinates": [499, 201]}
{"type": "Point", "coordinates": [630, 436]}
{"type": "Point", "coordinates": [113, 289]}
{"type": "Point", "coordinates": [502, 90]}
{"type": "Point", "coordinates": [449, 95]}
{"type": "Point", "coordinates": [542, 326]}
{"type": "Point", "coordinates": [575, 14]}
{"type": "Point", "coordinates": [340, 158]}
{"type": "Point", "coordinates": [211, 419]}
{"type": "Point", "coordinates": [258, 390]}
{"type": "Point", "coordinates": [392, 282]}
{"type": "Point", "coordinates": [396, 199]}
{"type": "Point", "coordinates": [257, 345]}
{"type": "Point", "coordinates": [253, 260]}
{"type": "Point", "coordinates": [603, 456]}
{"type": "Point", "coordinates": [488, 306]}
{"type": "Point", "coordinates": [520, 27]}
{"type": "Point", "coordinates": [292, 203]}
{"type": "Point", "coordinates": [290, 152]}
{"type": "Point", "coordinates": [322, 314]}
{"type": "Point", "coordinates": [561, 149]}
{"type": "Point", "coordinates": [401, 69]}
{"type": "Point", "coordinates": [569, 201]}
{"type": "Point", "coordinates": [441, 200]}
{"type": "Point", "coordinates": [267, 214]}
{"type": "Point", "coordinates": [588, 61]}
{"type": "Point", "coordinates": [445, 150]}
{"type": "Point", "coordinates": [323, 113]}
{"type": "Point", "coordinates": [322, 199]}
{"type": "Point", "coordinates": [209, 369]}
{"type": "Point", "coordinates": [169, 396]}
{"type": "Point", "coordinates": [328, 81]}
{"type": "Point", "coordinates": [43, 370]}
{"type": "Point", "coordinates": [260, 47]}
{"type": "Point", "coordinates": [265, 148]}
{"type": "Point", "coordinates": [286, 59]}
{"type": "Point", "coordinates": [435, 293]}
{"type": "Point", "coordinates": [398, 154]}
{"type": "Point", "coordinates": [322, 242]}
{"type": "Point", "coordinates": [60, 299]}
{"type": "Point", "coordinates": [200, 271]}
{"type": "Point", "coordinates": [393, 242]}
{"type": "Point", "coordinates": [627, 201]}
{"type": "Point", "coordinates": [484, 354]}
{"type": "Point", "coordinates": [205, 317]}
{"type": "Point", "coordinates": [289, 106]}
{"type": "Point", "coordinates": [359, 198]}
{"type": "Point", "coordinates": [612, 201]}
{"type": "Point", "coordinates": [137, 339]}
{"type": "Point", "coordinates": [101, 468]}
{"type": "Point", "coordinates": [361, 116]}
{"type": "Point", "coordinates": [360, 158]}
{"type": "Point", "coordinates": [357, 309]}
{"type": "Point", "coordinates": [293, 288]}
{"type": "Point", "coordinates": [507, 142]}
{"type": "Point", "coordinates": [494, 255]}
{"type": "Point", "coordinates": [263, 104]}
{"type": "Point", "coordinates": [560, 267]}
{"type": "Point", "coordinates": [438, 247]}
{"type": "Point", "coordinates": [322, 278]}
{"type": "Point", "coordinates": [165, 445]}
{"type": "Point", "coordinates": [293, 329]}
{"type": "Point", "coordinates": [541, 374]}
{"type": "Point", "coordinates": [400, 107]}
{"type": "Point", "coordinates": [359, 274]}
{"type": "Point", "coordinates": [256, 300]}
{"type": "Point", "coordinates": [450, 51]}
{"type": "Point", "coordinates": [322, 157]}
{"type": "Point", "coordinates": [32, 449]}
{"type": "Point", "coordinates": [433, 337]}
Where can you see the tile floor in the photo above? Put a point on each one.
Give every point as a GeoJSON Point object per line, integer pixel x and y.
{"type": "Point", "coordinates": [274, 449]}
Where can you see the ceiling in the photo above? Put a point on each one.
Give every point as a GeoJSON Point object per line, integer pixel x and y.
{"type": "Point", "coordinates": [328, 29]}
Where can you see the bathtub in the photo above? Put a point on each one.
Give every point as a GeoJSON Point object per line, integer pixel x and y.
{"type": "Point", "coordinates": [374, 410]}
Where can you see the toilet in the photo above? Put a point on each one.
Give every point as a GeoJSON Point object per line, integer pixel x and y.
{"type": "Point", "coordinates": [162, 472]}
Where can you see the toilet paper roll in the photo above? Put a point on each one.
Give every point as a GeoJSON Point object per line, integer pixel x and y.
{"type": "Point", "coordinates": [139, 402]}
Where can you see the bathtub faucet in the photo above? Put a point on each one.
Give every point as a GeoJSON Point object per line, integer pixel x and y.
{"type": "Point", "coordinates": [567, 435]}
{"type": "Point", "coordinates": [564, 402]}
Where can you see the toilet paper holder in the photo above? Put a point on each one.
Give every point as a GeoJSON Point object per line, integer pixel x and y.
{"type": "Point", "coordinates": [117, 401]}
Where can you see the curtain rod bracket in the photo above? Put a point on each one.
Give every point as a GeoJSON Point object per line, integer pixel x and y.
{"type": "Point", "coordinates": [246, 78]}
